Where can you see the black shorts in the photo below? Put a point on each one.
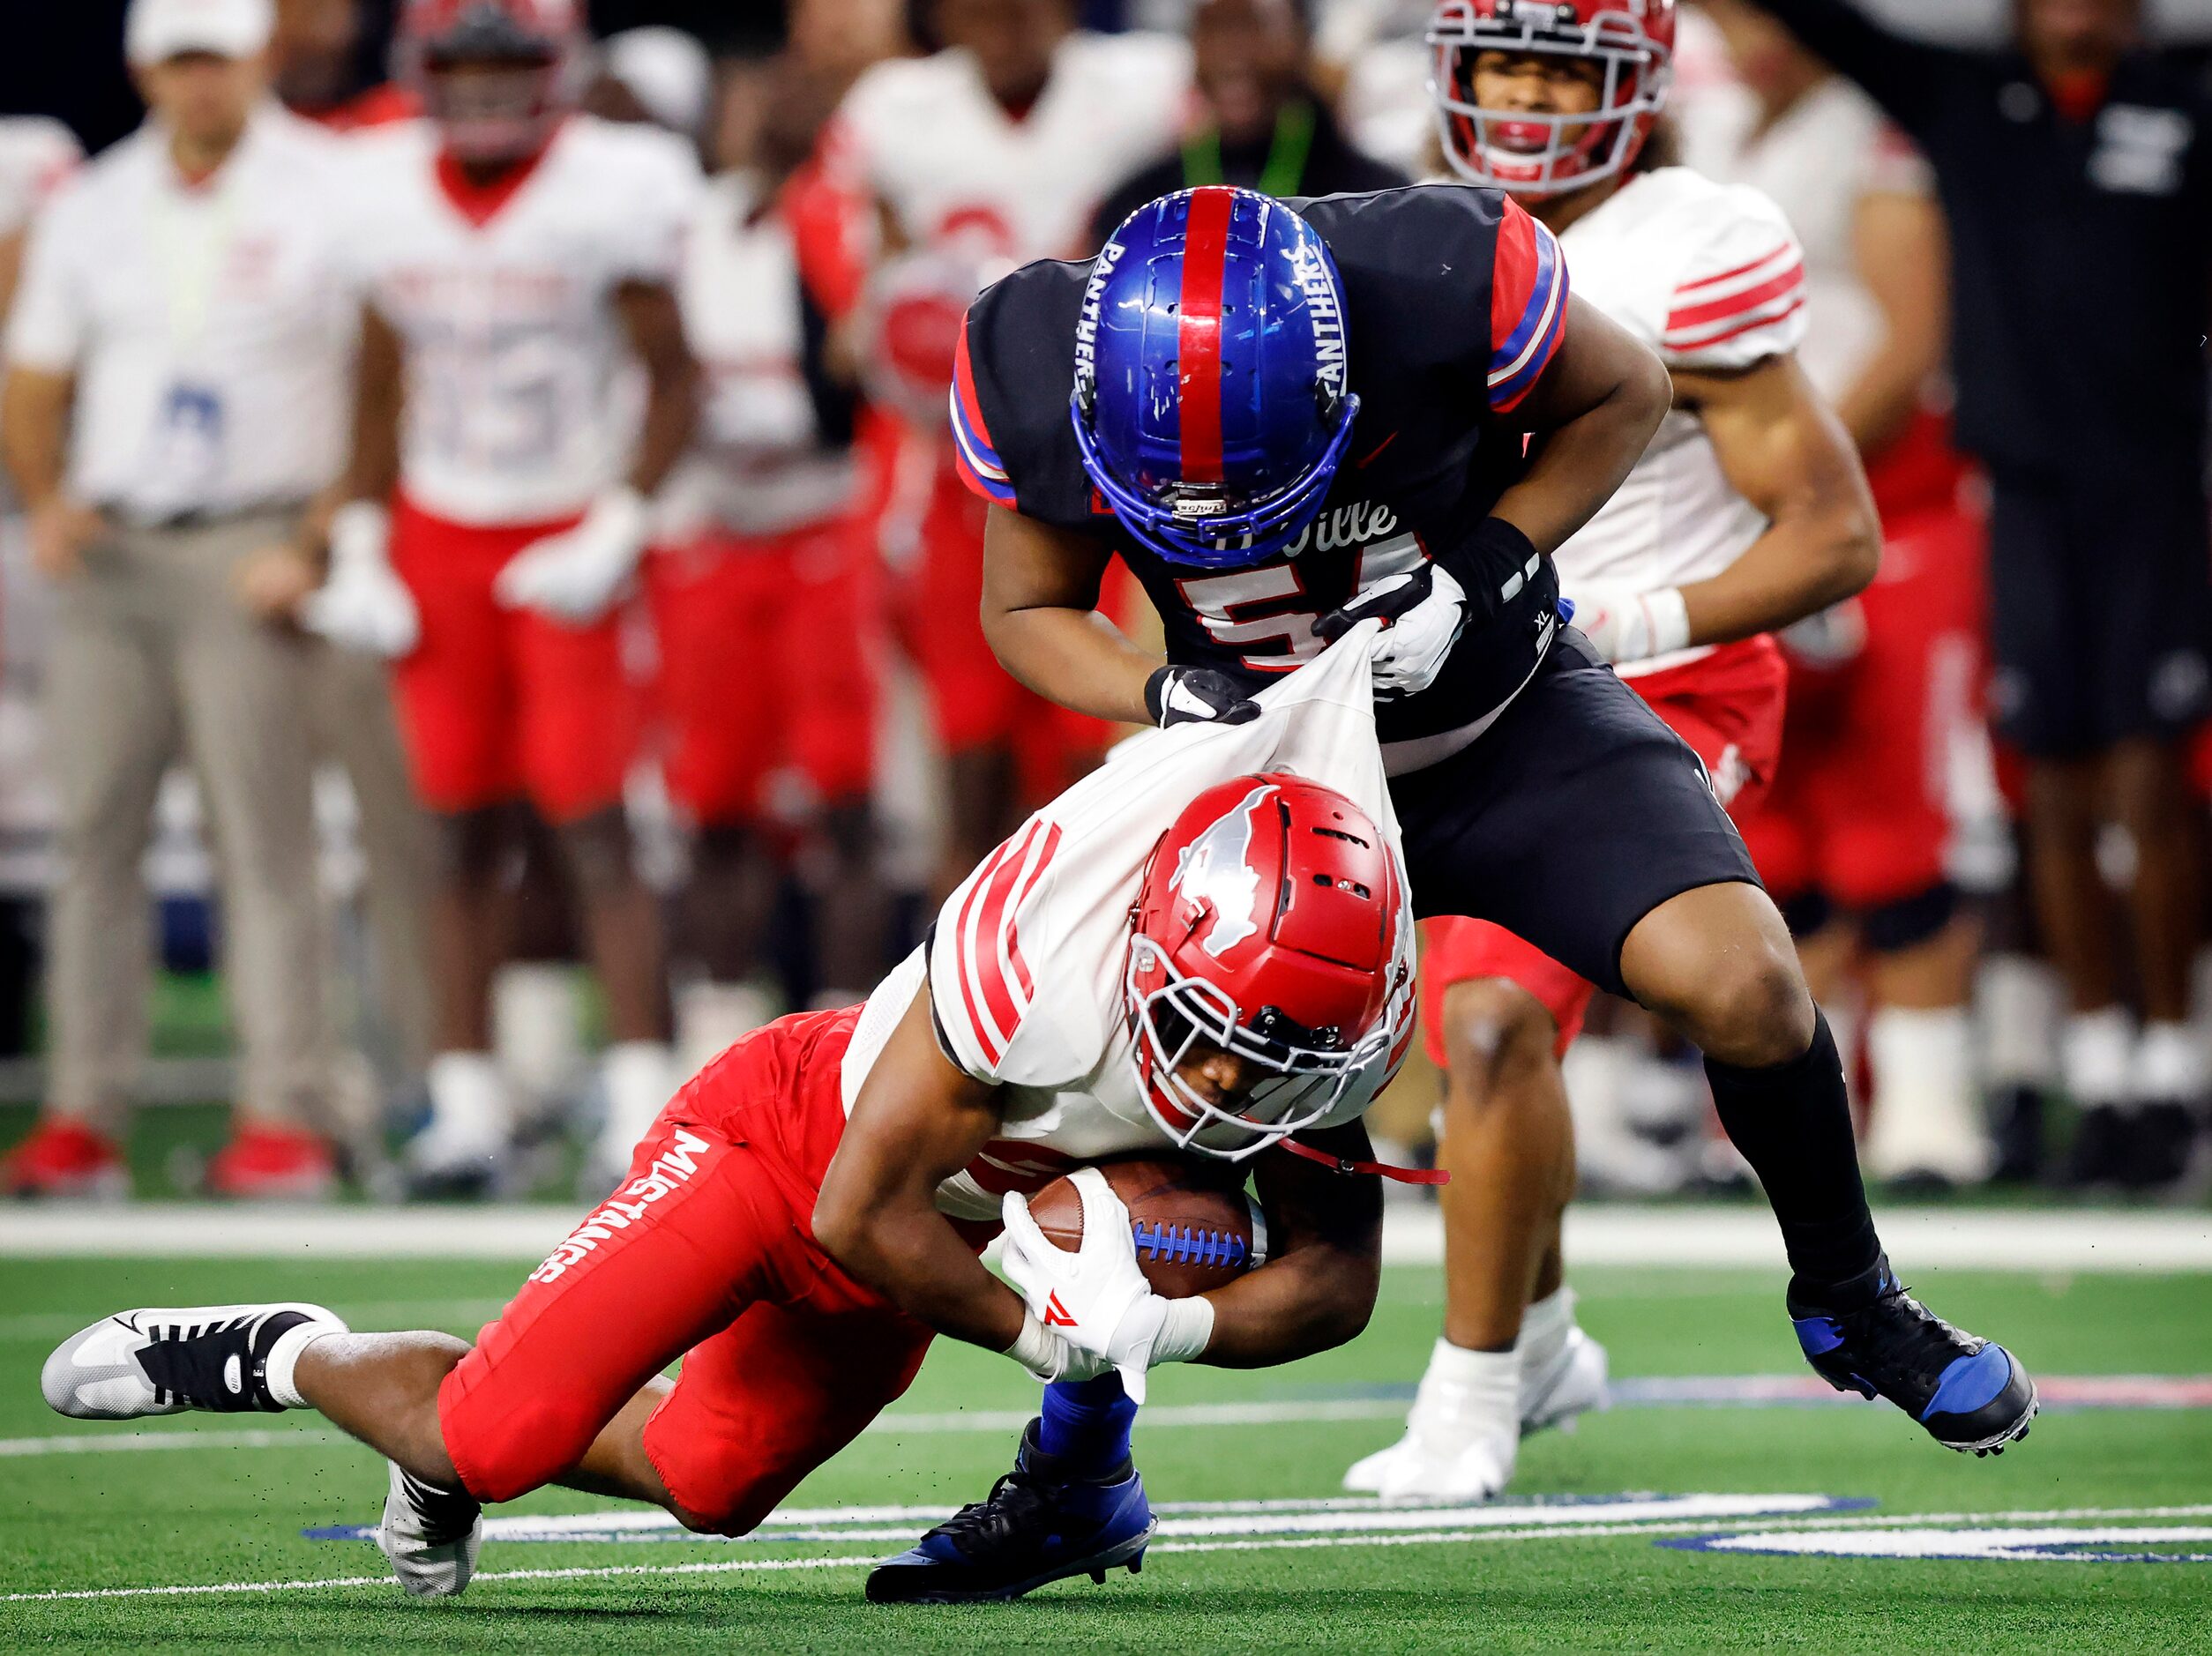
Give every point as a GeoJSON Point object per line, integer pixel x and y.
{"type": "Point", "coordinates": [2100, 608]}
{"type": "Point", "coordinates": [1568, 821]}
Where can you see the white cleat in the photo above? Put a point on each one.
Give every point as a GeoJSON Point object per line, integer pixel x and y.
{"type": "Point", "coordinates": [431, 1536]}
{"type": "Point", "coordinates": [165, 1360]}
{"type": "Point", "coordinates": [1572, 1383]}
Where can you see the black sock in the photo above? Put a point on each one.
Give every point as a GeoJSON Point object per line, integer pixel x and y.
{"type": "Point", "coordinates": [1793, 1123]}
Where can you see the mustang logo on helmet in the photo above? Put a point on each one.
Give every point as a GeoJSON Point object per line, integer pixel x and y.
{"type": "Point", "coordinates": [1214, 871]}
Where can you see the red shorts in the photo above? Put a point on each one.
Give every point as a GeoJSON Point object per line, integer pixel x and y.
{"type": "Point", "coordinates": [767, 657]}
{"type": "Point", "coordinates": [1729, 707]}
{"type": "Point", "coordinates": [704, 1253]}
{"type": "Point", "coordinates": [503, 704]}
{"type": "Point", "coordinates": [974, 702]}
{"type": "Point", "coordinates": [1860, 813]}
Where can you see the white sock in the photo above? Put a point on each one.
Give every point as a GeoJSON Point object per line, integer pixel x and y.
{"type": "Point", "coordinates": [284, 1361]}
{"type": "Point", "coordinates": [1545, 1327]}
{"type": "Point", "coordinates": [2017, 1004]}
{"type": "Point", "coordinates": [1491, 1375]}
{"type": "Point", "coordinates": [640, 1078]}
{"type": "Point", "coordinates": [2169, 1065]}
{"type": "Point", "coordinates": [468, 1099]}
{"type": "Point", "coordinates": [535, 1028]}
{"type": "Point", "coordinates": [2096, 1054]}
{"type": "Point", "coordinates": [711, 1018]}
{"type": "Point", "coordinates": [1926, 1116]}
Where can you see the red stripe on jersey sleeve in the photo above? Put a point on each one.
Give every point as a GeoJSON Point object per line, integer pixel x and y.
{"type": "Point", "coordinates": [1703, 282]}
{"type": "Point", "coordinates": [1697, 315]}
{"type": "Point", "coordinates": [988, 955]}
{"type": "Point", "coordinates": [1513, 282]}
{"type": "Point", "coordinates": [992, 1050]}
{"type": "Point", "coordinates": [1014, 936]}
{"type": "Point", "coordinates": [1755, 324]}
{"type": "Point", "coordinates": [964, 388]}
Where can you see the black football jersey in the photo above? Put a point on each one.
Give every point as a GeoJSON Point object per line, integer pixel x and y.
{"type": "Point", "coordinates": [1454, 301]}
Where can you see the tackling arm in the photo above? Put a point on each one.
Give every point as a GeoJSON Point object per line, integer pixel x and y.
{"type": "Point", "coordinates": [1041, 616]}
{"type": "Point", "coordinates": [1593, 414]}
{"type": "Point", "coordinates": [654, 327]}
{"type": "Point", "coordinates": [917, 1122]}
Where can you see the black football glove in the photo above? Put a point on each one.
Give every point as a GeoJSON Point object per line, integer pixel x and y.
{"type": "Point", "coordinates": [1197, 695]}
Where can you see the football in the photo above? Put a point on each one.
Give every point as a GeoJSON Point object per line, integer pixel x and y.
{"type": "Point", "coordinates": [1194, 1225]}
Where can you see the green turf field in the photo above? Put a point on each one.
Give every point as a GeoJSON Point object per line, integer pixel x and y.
{"type": "Point", "coordinates": [163, 1516]}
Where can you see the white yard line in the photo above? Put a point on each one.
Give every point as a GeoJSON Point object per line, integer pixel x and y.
{"type": "Point", "coordinates": [1266, 1543]}
{"type": "Point", "coordinates": [1919, 1239]}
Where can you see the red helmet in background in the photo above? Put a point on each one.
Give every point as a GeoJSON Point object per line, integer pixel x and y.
{"type": "Point", "coordinates": [1537, 154]}
{"type": "Point", "coordinates": [1271, 923]}
{"type": "Point", "coordinates": [495, 76]}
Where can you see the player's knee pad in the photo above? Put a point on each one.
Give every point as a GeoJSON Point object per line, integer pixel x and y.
{"type": "Point", "coordinates": [598, 847]}
{"type": "Point", "coordinates": [1909, 922]}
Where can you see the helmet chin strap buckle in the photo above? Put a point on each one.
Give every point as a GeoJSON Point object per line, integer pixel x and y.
{"type": "Point", "coordinates": [1350, 1168]}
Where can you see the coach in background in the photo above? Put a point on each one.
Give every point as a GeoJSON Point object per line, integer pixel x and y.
{"type": "Point", "coordinates": [177, 359]}
{"type": "Point", "coordinates": [1267, 129]}
{"type": "Point", "coordinates": [2075, 165]}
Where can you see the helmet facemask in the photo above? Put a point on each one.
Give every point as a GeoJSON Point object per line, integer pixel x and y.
{"type": "Point", "coordinates": [1170, 1014]}
{"type": "Point", "coordinates": [1529, 153]}
{"type": "Point", "coordinates": [493, 110]}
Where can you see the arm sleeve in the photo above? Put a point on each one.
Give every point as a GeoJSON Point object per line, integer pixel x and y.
{"type": "Point", "coordinates": [664, 197]}
{"type": "Point", "coordinates": [45, 330]}
{"type": "Point", "coordinates": [1528, 307]}
{"type": "Point", "coordinates": [1740, 297]}
{"type": "Point", "coordinates": [974, 455]}
{"type": "Point", "coordinates": [1907, 77]}
{"type": "Point", "coordinates": [989, 941]}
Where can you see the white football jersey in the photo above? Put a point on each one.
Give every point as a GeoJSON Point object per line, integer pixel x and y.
{"type": "Point", "coordinates": [1828, 154]}
{"type": "Point", "coordinates": [758, 466]}
{"type": "Point", "coordinates": [513, 342]}
{"type": "Point", "coordinates": [1711, 276]}
{"type": "Point", "coordinates": [925, 137]}
{"type": "Point", "coordinates": [1024, 968]}
{"type": "Point", "coordinates": [36, 154]}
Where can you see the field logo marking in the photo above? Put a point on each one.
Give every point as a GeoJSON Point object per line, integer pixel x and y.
{"type": "Point", "coordinates": [2162, 1544]}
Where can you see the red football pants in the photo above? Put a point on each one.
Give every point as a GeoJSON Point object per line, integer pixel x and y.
{"type": "Point", "coordinates": [503, 704]}
{"type": "Point", "coordinates": [706, 1252]}
{"type": "Point", "coordinates": [768, 656]}
{"type": "Point", "coordinates": [1729, 707]}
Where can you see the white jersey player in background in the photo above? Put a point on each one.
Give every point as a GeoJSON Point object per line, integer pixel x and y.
{"type": "Point", "coordinates": [981, 157]}
{"type": "Point", "coordinates": [514, 255]}
{"type": "Point", "coordinates": [1748, 512]}
{"type": "Point", "coordinates": [1887, 749]}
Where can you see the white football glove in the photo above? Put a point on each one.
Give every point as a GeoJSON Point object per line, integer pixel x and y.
{"type": "Point", "coordinates": [1097, 1296]}
{"type": "Point", "coordinates": [1423, 612]}
{"type": "Point", "coordinates": [362, 604]}
{"type": "Point", "coordinates": [574, 576]}
{"type": "Point", "coordinates": [1627, 625]}
{"type": "Point", "coordinates": [1046, 1354]}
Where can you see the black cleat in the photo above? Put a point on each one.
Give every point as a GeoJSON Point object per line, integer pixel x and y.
{"type": "Point", "coordinates": [1036, 1527]}
{"type": "Point", "coordinates": [154, 1361]}
{"type": "Point", "coordinates": [1970, 1392]}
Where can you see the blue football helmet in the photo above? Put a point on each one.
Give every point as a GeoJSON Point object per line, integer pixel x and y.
{"type": "Point", "coordinates": [1212, 404]}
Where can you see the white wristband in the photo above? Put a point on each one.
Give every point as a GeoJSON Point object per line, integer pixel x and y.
{"type": "Point", "coordinates": [1187, 1331]}
{"type": "Point", "coordinates": [1670, 618]}
{"type": "Point", "coordinates": [359, 531]}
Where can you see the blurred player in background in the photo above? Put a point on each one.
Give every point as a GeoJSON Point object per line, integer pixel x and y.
{"type": "Point", "coordinates": [176, 356]}
{"type": "Point", "coordinates": [991, 152]}
{"type": "Point", "coordinates": [1885, 693]}
{"type": "Point", "coordinates": [511, 253]}
{"type": "Point", "coordinates": [1268, 128]}
{"type": "Point", "coordinates": [766, 592]}
{"type": "Point", "coordinates": [2075, 169]}
{"type": "Point", "coordinates": [660, 75]}
{"type": "Point", "coordinates": [1748, 512]}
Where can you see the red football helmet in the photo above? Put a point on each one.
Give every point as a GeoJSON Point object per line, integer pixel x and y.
{"type": "Point", "coordinates": [527, 58]}
{"type": "Point", "coordinates": [1270, 924]}
{"type": "Point", "coordinates": [1537, 154]}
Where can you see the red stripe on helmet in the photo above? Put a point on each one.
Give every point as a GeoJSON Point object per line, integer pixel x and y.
{"type": "Point", "coordinates": [1197, 335]}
